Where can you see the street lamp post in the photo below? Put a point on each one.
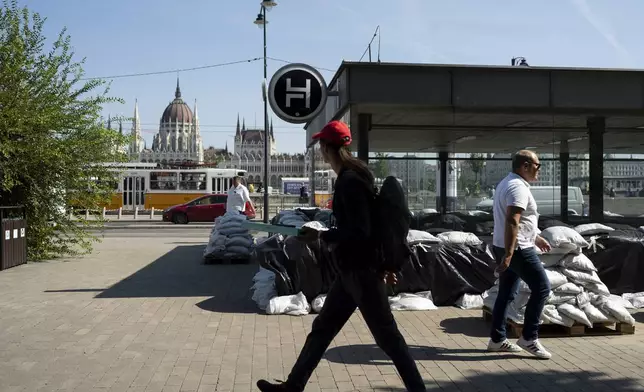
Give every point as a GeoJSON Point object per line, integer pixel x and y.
{"type": "Point", "coordinates": [261, 22]}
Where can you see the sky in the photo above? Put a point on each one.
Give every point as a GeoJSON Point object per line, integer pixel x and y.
{"type": "Point", "coordinates": [121, 37]}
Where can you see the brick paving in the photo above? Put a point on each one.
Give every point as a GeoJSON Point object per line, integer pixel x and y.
{"type": "Point", "coordinates": [142, 314]}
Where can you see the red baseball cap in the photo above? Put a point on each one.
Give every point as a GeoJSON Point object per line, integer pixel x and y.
{"type": "Point", "coordinates": [335, 132]}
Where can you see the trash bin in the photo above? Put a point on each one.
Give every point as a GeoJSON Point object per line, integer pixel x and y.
{"type": "Point", "coordinates": [13, 241]}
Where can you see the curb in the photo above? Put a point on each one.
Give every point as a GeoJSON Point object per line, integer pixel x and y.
{"type": "Point", "coordinates": [152, 227]}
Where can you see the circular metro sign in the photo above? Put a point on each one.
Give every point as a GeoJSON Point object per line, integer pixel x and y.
{"type": "Point", "coordinates": [297, 93]}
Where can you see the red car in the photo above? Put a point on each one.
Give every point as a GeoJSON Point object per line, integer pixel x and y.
{"type": "Point", "coordinates": [202, 209]}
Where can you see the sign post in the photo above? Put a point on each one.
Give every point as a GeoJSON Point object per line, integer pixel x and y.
{"type": "Point", "coordinates": [297, 93]}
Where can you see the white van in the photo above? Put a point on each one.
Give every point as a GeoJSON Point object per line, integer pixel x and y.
{"type": "Point", "coordinates": [548, 200]}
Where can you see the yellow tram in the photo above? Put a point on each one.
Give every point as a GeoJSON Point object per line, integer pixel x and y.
{"type": "Point", "coordinates": [144, 185]}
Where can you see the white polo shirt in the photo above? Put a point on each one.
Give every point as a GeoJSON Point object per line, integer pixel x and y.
{"type": "Point", "coordinates": [513, 190]}
{"type": "Point", "coordinates": [237, 198]}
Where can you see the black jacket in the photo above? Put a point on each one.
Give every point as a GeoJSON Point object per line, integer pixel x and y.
{"type": "Point", "coordinates": [353, 202]}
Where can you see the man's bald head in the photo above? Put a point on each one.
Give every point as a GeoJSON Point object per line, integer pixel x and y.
{"type": "Point", "coordinates": [522, 157]}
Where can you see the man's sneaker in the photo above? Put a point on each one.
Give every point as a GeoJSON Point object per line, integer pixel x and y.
{"type": "Point", "coordinates": [534, 347]}
{"type": "Point", "coordinates": [266, 386]}
{"type": "Point", "coordinates": [503, 347]}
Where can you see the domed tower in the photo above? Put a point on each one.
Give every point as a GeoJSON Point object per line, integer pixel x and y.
{"type": "Point", "coordinates": [179, 138]}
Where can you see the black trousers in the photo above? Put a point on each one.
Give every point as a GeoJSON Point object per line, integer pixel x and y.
{"type": "Point", "coordinates": [367, 291]}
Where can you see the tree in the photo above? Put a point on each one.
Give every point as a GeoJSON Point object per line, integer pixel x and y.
{"type": "Point", "coordinates": [381, 168]}
{"type": "Point", "coordinates": [476, 164]}
{"type": "Point", "coordinates": [52, 138]}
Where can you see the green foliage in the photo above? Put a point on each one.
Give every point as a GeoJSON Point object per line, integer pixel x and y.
{"type": "Point", "coordinates": [380, 167]}
{"type": "Point", "coordinates": [51, 135]}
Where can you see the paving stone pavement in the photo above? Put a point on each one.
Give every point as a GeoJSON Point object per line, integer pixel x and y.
{"type": "Point", "coordinates": [143, 314]}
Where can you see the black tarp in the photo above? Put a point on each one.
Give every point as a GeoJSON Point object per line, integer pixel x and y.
{"type": "Point", "coordinates": [270, 255]}
{"type": "Point", "coordinates": [448, 271]}
{"type": "Point", "coordinates": [308, 267]}
{"type": "Point", "coordinates": [619, 258]}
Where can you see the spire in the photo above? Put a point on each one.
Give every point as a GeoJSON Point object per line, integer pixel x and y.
{"type": "Point", "coordinates": [120, 127]}
{"type": "Point", "coordinates": [136, 122]}
{"type": "Point", "coordinates": [272, 136]}
{"type": "Point", "coordinates": [177, 92]}
{"type": "Point", "coordinates": [109, 122]}
{"type": "Point", "coordinates": [237, 131]}
{"type": "Point", "coordinates": [196, 117]}
{"type": "Point", "coordinates": [243, 125]}
{"type": "Point", "coordinates": [226, 149]}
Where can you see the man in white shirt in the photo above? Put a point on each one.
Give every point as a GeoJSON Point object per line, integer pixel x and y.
{"type": "Point", "coordinates": [516, 239]}
{"type": "Point", "coordinates": [238, 196]}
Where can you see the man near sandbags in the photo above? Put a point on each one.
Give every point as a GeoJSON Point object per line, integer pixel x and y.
{"type": "Point", "coordinates": [238, 196]}
{"type": "Point", "coordinates": [516, 239]}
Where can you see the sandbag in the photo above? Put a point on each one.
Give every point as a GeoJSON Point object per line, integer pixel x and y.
{"type": "Point", "coordinates": [581, 277]}
{"type": "Point", "coordinates": [595, 315]}
{"type": "Point", "coordinates": [560, 235]}
{"type": "Point", "coordinates": [470, 301]}
{"type": "Point", "coordinates": [459, 238]}
{"type": "Point", "coordinates": [579, 262]}
{"type": "Point", "coordinates": [293, 305]}
{"type": "Point", "coordinates": [568, 288]}
{"type": "Point", "coordinates": [263, 287]}
{"type": "Point", "coordinates": [574, 313]}
{"type": "Point", "coordinates": [550, 315]}
{"type": "Point", "coordinates": [589, 229]}
{"type": "Point", "coordinates": [407, 301]}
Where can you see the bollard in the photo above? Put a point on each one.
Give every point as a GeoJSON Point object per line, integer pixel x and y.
{"type": "Point", "coordinates": [71, 213]}
{"type": "Point", "coordinates": [86, 214]}
{"type": "Point", "coordinates": [120, 212]}
{"type": "Point", "coordinates": [136, 212]}
{"type": "Point", "coordinates": [104, 214]}
{"type": "Point", "coordinates": [152, 213]}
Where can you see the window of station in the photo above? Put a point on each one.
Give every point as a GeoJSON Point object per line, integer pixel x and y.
{"type": "Point", "coordinates": [163, 180]}
{"type": "Point", "coordinates": [192, 181]}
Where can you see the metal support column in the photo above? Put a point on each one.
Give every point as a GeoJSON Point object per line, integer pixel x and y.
{"type": "Point", "coordinates": [596, 129]}
{"type": "Point", "coordinates": [564, 158]}
{"type": "Point", "coordinates": [312, 177]}
{"type": "Point", "coordinates": [364, 126]}
{"type": "Point", "coordinates": [443, 158]}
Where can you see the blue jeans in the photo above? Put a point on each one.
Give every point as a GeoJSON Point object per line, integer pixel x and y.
{"type": "Point", "coordinates": [525, 265]}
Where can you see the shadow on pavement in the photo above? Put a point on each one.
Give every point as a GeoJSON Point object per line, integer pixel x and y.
{"type": "Point", "coordinates": [474, 327]}
{"type": "Point", "coordinates": [181, 273]}
{"type": "Point", "coordinates": [546, 380]}
{"type": "Point", "coordinates": [371, 354]}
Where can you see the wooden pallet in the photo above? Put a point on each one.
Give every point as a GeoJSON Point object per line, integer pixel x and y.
{"type": "Point", "coordinates": [226, 260]}
{"type": "Point", "coordinates": [554, 330]}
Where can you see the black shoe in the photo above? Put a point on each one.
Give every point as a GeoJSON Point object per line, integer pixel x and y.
{"type": "Point", "coordinates": [266, 386]}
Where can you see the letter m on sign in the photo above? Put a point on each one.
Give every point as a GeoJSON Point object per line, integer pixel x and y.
{"type": "Point", "coordinates": [298, 93]}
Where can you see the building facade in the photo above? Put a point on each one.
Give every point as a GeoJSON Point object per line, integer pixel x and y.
{"type": "Point", "coordinates": [248, 154]}
{"type": "Point", "coordinates": [178, 140]}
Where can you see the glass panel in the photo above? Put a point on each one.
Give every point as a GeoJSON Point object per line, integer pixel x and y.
{"type": "Point", "coordinates": [623, 185]}
{"type": "Point", "coordinates": [163, 180]}
{"type": "Point", "coordinates": [192, 181]}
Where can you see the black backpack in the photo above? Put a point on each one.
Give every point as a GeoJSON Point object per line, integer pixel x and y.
{"type": "Point", "coordinates": [391, 225]}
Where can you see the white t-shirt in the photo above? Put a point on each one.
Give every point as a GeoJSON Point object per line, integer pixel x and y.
{"type": "Point", "coordinates": [515, 191]}
{"type": "Point", "coordinates": [237, 198]}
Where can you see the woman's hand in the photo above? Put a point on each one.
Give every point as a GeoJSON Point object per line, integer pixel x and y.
{"type": "Point", "coordinates": [390, 278]}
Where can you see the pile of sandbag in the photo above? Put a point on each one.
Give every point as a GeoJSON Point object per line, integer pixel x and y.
{"type": "Point", "coordinates": [291, 218]}
{"type": "Point", "coordinates": [228, 238]}
{"type": "Point", "coordinates": [577, 294]}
